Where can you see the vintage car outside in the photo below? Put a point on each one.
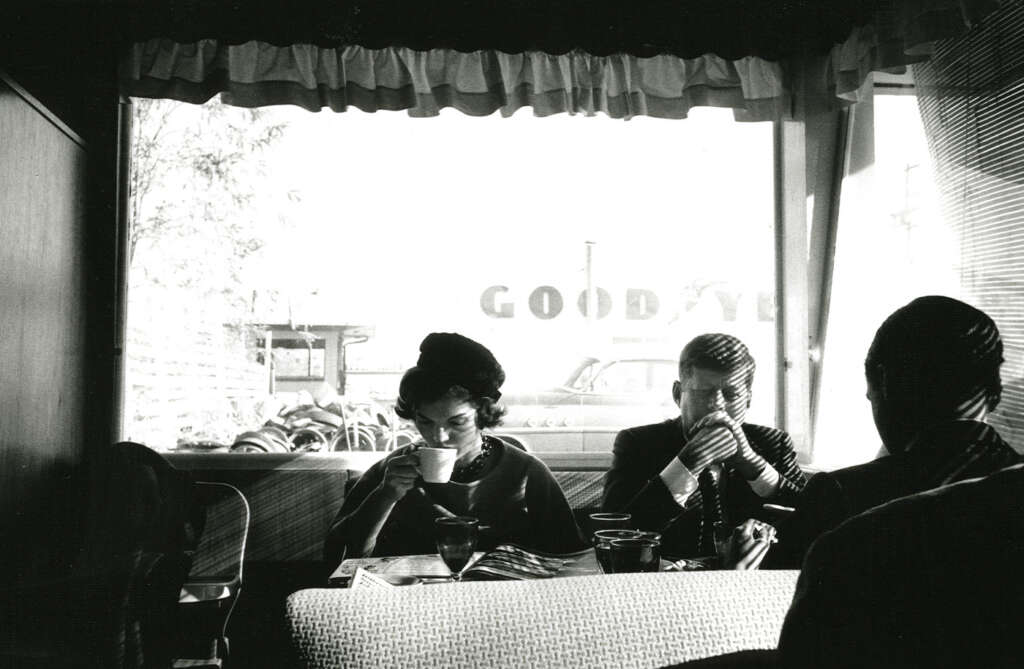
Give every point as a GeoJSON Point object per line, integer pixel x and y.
{"type": "Point", "coordinates": [599, 398]}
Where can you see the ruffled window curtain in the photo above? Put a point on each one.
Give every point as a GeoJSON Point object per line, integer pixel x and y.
{"type": "Point", "coordinates": [477, 83]}
{"type": "Point", "coordinates": [782, 60]}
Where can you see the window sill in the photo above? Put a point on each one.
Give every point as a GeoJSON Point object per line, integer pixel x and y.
{"type": "Point", "coordinates": [358, 461]}
{"type": "Point", "coordinates": [345, 460]}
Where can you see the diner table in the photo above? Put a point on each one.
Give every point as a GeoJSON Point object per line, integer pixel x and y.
{"type": "Point", "coordinates": [430, 569]}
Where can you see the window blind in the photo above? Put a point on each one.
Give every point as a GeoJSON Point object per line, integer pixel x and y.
{"type": "Point", "coordinates": [971, 97]}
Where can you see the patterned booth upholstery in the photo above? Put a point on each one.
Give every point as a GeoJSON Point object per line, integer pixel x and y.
{"type": "Point", "coordinates": [294, 499]}
{"type": "Point", "coordinates": [582, 489]}
{"type": "Point", "coordinates": [622, 620]}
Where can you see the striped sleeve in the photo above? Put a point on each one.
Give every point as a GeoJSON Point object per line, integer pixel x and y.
{"type": "Point", "coordinates": [767, 482]}
{"type": "Point", "coordinates": [776, 447]}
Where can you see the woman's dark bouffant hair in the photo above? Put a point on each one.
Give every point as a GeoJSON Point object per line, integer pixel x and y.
{"type": "Point", "coordinates": [456, 367]}
{"type": "Point", "coordinates": [488, 412]}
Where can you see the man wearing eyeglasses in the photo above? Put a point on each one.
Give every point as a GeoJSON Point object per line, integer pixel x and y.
{"type": "Point", "coordinates": [694, 477]}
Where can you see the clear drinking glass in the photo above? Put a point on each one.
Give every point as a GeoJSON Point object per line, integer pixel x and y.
{"type": "Point", "coordinates": [610, 521]}
{"type": "Point", "coordinates": [456, 541]}
{"type": "Point", "coordinates": [631, 555]}
{"type": "Point", "coordinates": [722, 534]}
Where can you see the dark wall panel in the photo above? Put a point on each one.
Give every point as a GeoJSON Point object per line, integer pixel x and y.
{"type": "Point", "coordinates": [43, 182]}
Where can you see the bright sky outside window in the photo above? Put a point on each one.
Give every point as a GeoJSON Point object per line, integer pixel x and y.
{"type": "Point", "coordinates": [394, 227]}
{"type": "Point", "coordinates": [893, 246]}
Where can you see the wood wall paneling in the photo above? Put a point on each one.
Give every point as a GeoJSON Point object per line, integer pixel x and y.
{"type": "Point", "coordinates": [42, 321]}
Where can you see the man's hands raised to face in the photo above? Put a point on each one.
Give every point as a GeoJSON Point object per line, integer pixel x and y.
{"type": "Point", "coordinates": [710, 441]}
{"type": "Point", "coordinates": [717, 438]}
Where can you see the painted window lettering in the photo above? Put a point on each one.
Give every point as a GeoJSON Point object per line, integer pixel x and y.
{"type": "Point", "coordinates": [547, 302]}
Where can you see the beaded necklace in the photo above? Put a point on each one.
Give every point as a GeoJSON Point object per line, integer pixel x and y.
{"type": "Point", "coordinates": [467, 472]}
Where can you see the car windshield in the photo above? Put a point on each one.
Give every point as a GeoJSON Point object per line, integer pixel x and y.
{"type": "Point", "coordinates": [582, 378]}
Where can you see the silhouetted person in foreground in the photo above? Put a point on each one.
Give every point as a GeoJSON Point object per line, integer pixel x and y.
{"type": "Point", "coordinates": [929, 580]}
{"type": "Point", "coordinates": [932, 376]}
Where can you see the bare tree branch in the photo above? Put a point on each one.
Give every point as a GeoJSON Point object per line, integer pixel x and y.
{"type": "Point", "coordinates": [196, 176]}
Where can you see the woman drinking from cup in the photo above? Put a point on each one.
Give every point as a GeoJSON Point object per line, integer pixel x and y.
{"type": "Point", "coordinates": [457, 470]}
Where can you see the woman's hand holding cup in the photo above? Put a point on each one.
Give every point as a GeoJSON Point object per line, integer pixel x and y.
{"type": "Point", "coordinates": [400, 474]}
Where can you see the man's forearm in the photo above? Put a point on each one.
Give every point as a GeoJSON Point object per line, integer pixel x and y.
{"type": "Point", "coordinates": [751, 467]}
{"type": "Point", "coordinates": [653, 507]}
{"type": "Point", "coordinates": [679, 480]}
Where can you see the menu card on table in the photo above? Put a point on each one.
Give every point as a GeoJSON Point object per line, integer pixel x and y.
{"type": "Point", "coordinates": [364, 580]}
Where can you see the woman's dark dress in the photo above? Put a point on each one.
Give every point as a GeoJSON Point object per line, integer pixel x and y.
{"type": "Point", "coordinates": [517, 501]}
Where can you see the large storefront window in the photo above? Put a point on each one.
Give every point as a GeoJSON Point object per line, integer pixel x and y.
{"type": "Point", "coordinates": [287, 264]}
{"type": "Point", "coordinates": [893, 245]}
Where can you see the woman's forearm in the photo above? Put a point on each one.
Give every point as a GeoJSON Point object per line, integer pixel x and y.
{"type": "Point", "coordinates": [360, 528]}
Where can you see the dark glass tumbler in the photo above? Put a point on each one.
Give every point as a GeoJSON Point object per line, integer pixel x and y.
{"type": "Point", "coordinates": [456, 541]}
{"type": "Point", "coordinates": [603, 545]}
{"type": "Point", "coordinates": [633, 555]}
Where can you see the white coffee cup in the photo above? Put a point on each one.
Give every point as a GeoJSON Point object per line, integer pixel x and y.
{"type": "Point", "coordinates": [436, 464]}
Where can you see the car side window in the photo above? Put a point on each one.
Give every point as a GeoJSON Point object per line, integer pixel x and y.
{"type": "Point", "coordinates": [662, 374]}
{"type": "Point", "coordinates": [622, 378]}
{"type": "Point", "coordinates": [636, 376]}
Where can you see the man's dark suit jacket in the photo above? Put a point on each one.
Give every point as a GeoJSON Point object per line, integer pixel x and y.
{"type": "Point", "coordinates": [930, 580]}
{"type": "Point", "coordinates": [945, 453]}
{"type": "Point", "coordinates": [633, 483]}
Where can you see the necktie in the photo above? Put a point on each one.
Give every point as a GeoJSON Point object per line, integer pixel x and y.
{"type": "Point", "coordinates": [711, 515]}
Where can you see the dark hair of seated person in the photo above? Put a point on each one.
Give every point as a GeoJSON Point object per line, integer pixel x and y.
{"type": "Point", "coordinates": [456, 367]}
{"type": "Point", "coordinates": [935, 359]}
{"type": "Point", "coordinates": [488, 412]}
{"type": "Point", "coordinates": [720, 353]}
